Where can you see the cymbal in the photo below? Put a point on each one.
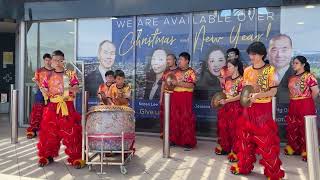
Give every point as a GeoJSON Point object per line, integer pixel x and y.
{"type": "Point", "coordinates": [245, 95]}
{"type": "Point", "coordinates": [168, 82]}
{"type": "Point", "coordinates": [216, 98]}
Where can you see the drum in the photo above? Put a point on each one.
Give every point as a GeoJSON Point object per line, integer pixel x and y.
{"type": "Point", "coordinates": [104, 121]}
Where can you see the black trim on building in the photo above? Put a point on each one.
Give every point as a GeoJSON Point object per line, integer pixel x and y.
{"type": "Point", "coordinates": [65, 9]}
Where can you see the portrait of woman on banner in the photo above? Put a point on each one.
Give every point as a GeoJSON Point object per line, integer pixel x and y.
{"type": "Point", "coordinates": [154, 74]}
{"type": "Point", "coordinates": [209, 82]}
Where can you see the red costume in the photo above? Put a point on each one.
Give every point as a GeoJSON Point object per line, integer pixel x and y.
{"type": "Point", "coordinates": [182, 118]}
{"type": "Point", "coordinates": [60, 120]}
{"type": "Point", "coordinates": [228, 118]}
{"type": "Point", "coordinates": [258, 131]}
{"type": "Point", "coordinates": [39, 103]}
{"type": "Point", "coordinates": [301, 104]}
{"type": "Point", "coordinates": [163, 79]}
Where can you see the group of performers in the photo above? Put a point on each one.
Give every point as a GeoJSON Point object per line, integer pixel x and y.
{"type": "Point", "coordinates": [243, 131]}
{"type": "Point", "coordinates": [53, 114]}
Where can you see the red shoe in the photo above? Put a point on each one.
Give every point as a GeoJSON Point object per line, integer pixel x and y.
{"type": "Point", "coordinates": [79, 163]}
{"type": "Point", "coordinates": [219, 151]}
{"type": "Point", "coordinates": [288, 150]}
{"type": "Point", "coordinates": [234, 169]}
{"type": "Point", "coordinates": [232, 157]}
{"type": "Point", "coordinates": [304, 156]}
{"type": "Point", "coordinates": [45, 161]}
{"type": "Point", "coordinates": [31, 134]}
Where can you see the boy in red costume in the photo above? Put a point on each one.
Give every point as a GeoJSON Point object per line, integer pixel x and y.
{"type": "Point", "coordinates": [182, 118]}
{"type": "Point", "coordinates": [258, 131]}
{"type": "Point", "coordinates": [60, 119]}
{"type": "Point", "coordinates": [40, 101]}
{"type": "Point", "coordinates": [104, 87]}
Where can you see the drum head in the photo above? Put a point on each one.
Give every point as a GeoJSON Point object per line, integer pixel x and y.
{"type": "Point", "coordinates": [216, 98]}
{"type": "Point", "coordinates": [245, 95]}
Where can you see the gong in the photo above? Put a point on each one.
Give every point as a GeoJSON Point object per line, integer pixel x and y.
{"type": "Point", "coordinates": [216, 98]}
{"type": "Point", "coordinates": [168, 82]}
{"type": "Point", "coordinates": [245, 95]}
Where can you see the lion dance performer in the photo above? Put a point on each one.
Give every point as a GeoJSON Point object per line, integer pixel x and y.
{"type": "Point", "coordinates": [303, 86]}
{"type": "Point", "coordinates": [60, 119]}
{"type": "Point", "coordinates": [259, 132]}
{"type": "Point", "coordinates": [171, 69]}
{"type": "Point", "coordinates": [104, 87]}
{"type": "Point", "coordinates": [228, 121]}
{"type": "Point", "coordinates": [40, 101]}
{"type": "Point", "coordinates": [182, 118]}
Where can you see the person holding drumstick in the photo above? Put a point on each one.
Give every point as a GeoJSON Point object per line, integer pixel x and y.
{"type": "Point", "coordinates": [104, 87]}
{"type": "Point", "coordinates": [119, 93]}
{"type": "Point", "coordinates": [259, 131]}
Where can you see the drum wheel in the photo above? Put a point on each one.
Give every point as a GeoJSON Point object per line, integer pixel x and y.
{"type": "Point", "coordinates": [90, 167]}
{"type": "Point", "coordinates": [123, 170]}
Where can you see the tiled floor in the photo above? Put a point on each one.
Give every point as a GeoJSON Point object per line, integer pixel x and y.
{"type": "Point", "coordinates": [20, 162]}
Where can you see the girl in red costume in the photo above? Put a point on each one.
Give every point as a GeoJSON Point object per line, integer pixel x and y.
{"type": "Point", "coordinates": [60, 119]}
{"type": "Point", "coordinates": [303, 88]}
{"type": "Point", "coordinates": [258, 133]}
{"type": "Point", "coordinates": [227, 121]}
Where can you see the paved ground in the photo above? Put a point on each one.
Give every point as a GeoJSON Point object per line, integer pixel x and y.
{"type": "Point", "coordinates": [20, 162]}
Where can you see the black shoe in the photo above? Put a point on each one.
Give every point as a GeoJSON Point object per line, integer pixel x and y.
{"type": "Point", "coordinates": [172, 144]}
{"type": "Point", "coordinates": [187, 148]}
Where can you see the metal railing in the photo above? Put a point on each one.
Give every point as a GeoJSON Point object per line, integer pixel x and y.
{"type": "Point", "coordinates": [166, 143]}
{"type": "Point", "coordinates": [312, 147]}
{"type": "Point", "coordinates": [14, 115]}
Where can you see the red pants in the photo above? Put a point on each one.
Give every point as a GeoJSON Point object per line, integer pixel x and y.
{"type": "Point", "coordinates": [227, 125]}
{"type": "Point", "coordinates": [35, 116]}
{"type": "Point", "coordinates": [295, 123]}
{"type": "Point", "coordinates": [182, 119]}
{"type": "Point", "coordinates": [259, 135]}
{"type": "Point", "coordinates": [55, 127]}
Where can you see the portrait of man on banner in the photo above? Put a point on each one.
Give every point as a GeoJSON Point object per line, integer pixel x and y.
{"type": "Point", "coordinates": [106, 59]}
{"type": "Point", "coordinates": [280, 53]}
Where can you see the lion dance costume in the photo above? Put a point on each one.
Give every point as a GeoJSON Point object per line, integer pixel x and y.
{"type": "Point", "coordinates": [38, 105]}
{"type": "Point", "coordinates": [60, 120]}
{"type": "Point", "coordinates": [166, 90]}
{"type": "Point", "coordinates": [259, 132]}
{"type": "Point", "coordinates": [182, 118]}
{"type": "Point", "coordinates": [301, 104]}
{"type": "Point", "coordinates": [228, 119]}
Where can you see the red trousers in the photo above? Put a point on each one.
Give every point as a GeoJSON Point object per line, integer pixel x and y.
{"type": "Point", "coordinates": [55, 127]}
{"type": "Point", "coordinates": [35, 116]}
{"type": "Point", "coordinates": [259, 135]}
{"type": "Point", "coordinates": [182, 119]}
{"type": "Point", "coordinates": [295, 123]}
{"type": "Point", "coordinates": [227, 125]}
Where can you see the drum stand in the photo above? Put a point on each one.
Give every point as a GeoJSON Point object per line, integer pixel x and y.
{"type": "Point", "coordinates": [126, 155]}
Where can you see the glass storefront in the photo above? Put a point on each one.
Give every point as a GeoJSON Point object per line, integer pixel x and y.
{"type": "Point", "coordinates": [139, 44]}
